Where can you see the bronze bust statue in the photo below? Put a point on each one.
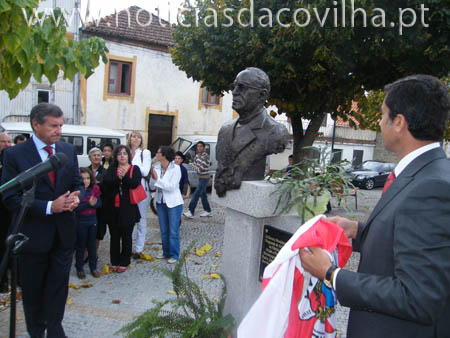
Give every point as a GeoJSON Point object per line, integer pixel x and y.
{"type": "Point", "coordinates": [244, 143]}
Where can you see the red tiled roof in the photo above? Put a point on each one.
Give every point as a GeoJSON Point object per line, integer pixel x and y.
{"type": "Point", "coordinates": [341, 122]}
{"type": "Point", "coordinates": [128, 28]}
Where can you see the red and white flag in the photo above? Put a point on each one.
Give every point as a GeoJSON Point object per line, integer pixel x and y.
{"type": "Point", "coordinates": [289, 306]}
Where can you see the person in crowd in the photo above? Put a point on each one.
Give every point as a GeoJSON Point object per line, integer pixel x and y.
{"type": "Point", "coordinates": [107, 151]}
{"type": "Point", "coordinates": [143, 159]}
{"type": "Point", "coordinates": [50, 224]}
{"type": "Point", "coordinates": [200, 165]}
{"type": "Point", "coordinates": [5, 141]}
{"type": "Point", "coordinates": [401, 288]}
{"type": "Point", "coordinates": [290, 163]}
{"type": "Point", "coordinates": [20, 139]}
{"type": "Point", "coordinates": [165, 178]}
{"type": "Point", "coordinates": [119, 213]}
{"type": "Point", "coordinates": [96, 166]}
{"type": "Point", "coordinates": [5, 216]}
{"type": "Point", "coordinates": [184, 180]}
{"type": "Point", "coordinates": [95, 157]}
{"type": "Point", "coordinates": [87, 224]}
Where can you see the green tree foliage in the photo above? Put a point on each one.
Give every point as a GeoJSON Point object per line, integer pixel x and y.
{"type": "Point", "coordinates": [369, 109]}
{"type": "Point", "coordinates": [318, 68]}
{"type": "Point", "coordinates": [40, 48]}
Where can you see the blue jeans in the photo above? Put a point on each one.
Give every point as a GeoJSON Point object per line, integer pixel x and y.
{"type": "Point", "coordinates": [200, 192]}
{"type": "Point", "coordinates": [86, 236]}
{"type": "Point", "coordinates": [169, 224]}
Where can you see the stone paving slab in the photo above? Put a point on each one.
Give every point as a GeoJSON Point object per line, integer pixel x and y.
{"type": "Point", "coordinates": [92, 312]}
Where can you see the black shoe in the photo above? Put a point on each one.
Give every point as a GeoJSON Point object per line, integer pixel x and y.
{"type": "Point", "coordinates": [137, 255]}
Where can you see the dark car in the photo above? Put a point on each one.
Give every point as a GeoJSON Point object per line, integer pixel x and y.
{"type": "Point", "coordinates": [371, 174]}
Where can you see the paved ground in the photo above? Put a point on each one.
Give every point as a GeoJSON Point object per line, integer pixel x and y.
{"type": "Point", "coordinates": [104, 305]}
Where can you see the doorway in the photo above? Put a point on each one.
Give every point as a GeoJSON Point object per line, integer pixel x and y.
{"type": "Point", "coordinates": [160, 128]}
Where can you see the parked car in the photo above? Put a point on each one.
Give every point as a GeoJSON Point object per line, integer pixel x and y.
{"type": "Point", "coordinates": [371, 174]}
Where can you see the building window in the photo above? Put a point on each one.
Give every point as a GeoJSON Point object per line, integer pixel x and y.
{"type": "Point", "coordinates": [119, 80]}
{"type": "Point", "coordinates": [209, 99]}
{"type": "Point", "coordinates": [337, 155]}
{"type": "Point", "coordinates": [43, 96]}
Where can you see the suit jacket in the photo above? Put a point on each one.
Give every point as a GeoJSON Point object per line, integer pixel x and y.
{"type": "Point", "coordinates": [242, 150]}
{"type": "Point", "coordinates": [42, 229]}
{"type": "Point", "coordinates": [402, 288]}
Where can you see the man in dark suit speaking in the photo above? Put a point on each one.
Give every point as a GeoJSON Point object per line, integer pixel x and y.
{"type": "Point", "coordinates": [44, 264]}
{"type": "Point", "coordinates": [402, 287]}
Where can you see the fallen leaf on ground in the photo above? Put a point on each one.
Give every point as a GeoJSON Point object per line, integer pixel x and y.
{"type": "Point", "coordinates": [213, 265]}
{"type": "Point", "coordinates": [188, 259]}
{"type": "Point", "coordinates": [69, 301]}
{"type": "Point", "coordinates": [195, 228]}
{"type": "Point", "coordinates": [216, 300]}
{"type": "Point", "coordinates": [116, 301]}
{"type": "Point", "coordinates": [218, 254]}
{"type": "Point", "coordinates": [108, 283]}
{"type": "Point", "coordinates": [146, 256]}
{"type": "Point", "coordinates": [204, 249]}
{"type": "Point", "coordinates": [87, 285]}
{"type": "Point", "coordinates": [156, 261]}
{"type": "Point", "coordinates": [198, 263]}
{"type": "Point", "coordinates": [215, 276]}
{"type": "Point", "coordinates": [204, 276]}
{"type": "Point", "coordinates": [74, 286]}
{"type": "Point", "coordinates": [139, 262]}
{"type": "Point", "coordinates": [105, 269]}
{"type": "Point", "coordinates": [171, 292]}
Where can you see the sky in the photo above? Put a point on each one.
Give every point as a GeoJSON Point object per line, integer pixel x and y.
{"type": "Point", "coordinates": [106, 7]}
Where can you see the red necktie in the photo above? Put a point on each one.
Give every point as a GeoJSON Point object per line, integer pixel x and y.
{"type": "Point", "coordinates": [389, 181]}
{"type": "Point", "coordinates": [51, 174]}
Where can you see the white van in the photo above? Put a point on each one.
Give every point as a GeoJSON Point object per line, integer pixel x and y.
{"type": "Point", "coordinates": [187, 144]}
{"type": "Point", "coordinates": [84, 138]}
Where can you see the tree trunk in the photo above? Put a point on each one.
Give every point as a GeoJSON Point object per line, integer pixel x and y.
{"type": "Point", "coordinates": [306, 140]}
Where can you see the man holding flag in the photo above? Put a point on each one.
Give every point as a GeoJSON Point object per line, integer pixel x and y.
{"type": "Point", "coordinates": [402, 287]}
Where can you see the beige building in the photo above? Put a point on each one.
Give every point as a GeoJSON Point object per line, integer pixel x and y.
{"type": "Point", "coordinates": [141, 89]}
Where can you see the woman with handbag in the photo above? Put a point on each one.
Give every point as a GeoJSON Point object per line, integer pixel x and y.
{"type": "Point", "coordinates": [143, 159]}
{"type": "Point", "coordinates": [120, 182]}
{"type": "Point", "coordinates": [165, 177]}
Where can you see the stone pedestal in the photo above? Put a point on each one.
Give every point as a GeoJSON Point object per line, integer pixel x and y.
{"type": "Point", "coordinates": [247, 211]}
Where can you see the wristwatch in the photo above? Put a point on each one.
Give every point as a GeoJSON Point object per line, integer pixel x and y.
{"type": "Point", "coordinates": [328, 281]}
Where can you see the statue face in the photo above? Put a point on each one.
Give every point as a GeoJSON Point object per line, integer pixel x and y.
{"type": "Point", "coordinates": [247, 96]}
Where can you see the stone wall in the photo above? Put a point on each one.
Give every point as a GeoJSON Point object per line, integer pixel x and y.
{"type": "Point", "coordinates": [381, 154]}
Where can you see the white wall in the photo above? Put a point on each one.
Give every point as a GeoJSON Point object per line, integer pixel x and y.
{"type": "Point", "coordinates": [159, 86]}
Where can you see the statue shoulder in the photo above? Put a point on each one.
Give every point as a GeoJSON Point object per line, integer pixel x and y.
{"type": "Point", "coordinates": [227, 126]}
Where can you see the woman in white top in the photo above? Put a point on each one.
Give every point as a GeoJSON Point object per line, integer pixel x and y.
{"type": "Point", "coordinates": [143, 159]}
{"type": "Point", "coordinates": [169, 203]}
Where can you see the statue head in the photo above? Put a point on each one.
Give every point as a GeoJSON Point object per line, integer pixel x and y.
{"type": "Point", "coordinates": [251, 91]}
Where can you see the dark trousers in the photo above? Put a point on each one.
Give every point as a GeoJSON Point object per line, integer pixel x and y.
{"type": "Point", "coordinates": [200, 192]}
{"type": "Point", "coordinates": [121, 244]}
{"type": "Point", "coordinates": [86, 236]}
{"type": "Point", "coordinates": [45, 278]}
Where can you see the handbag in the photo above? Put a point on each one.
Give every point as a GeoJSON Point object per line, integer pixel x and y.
{"type": "Point", "coordinates": [137, 194]}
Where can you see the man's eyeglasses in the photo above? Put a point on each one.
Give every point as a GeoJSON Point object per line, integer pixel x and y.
{"type": "Point", "coordinates": [243, 86]}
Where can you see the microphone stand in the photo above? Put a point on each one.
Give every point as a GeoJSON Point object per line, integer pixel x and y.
{"type": "Point", "coordinates": [14, 245]}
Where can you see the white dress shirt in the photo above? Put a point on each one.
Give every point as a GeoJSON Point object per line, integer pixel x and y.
{"type": "Point", "coordinates": [44, 155]}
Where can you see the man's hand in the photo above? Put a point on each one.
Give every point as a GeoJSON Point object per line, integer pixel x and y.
{"type": "Point", "coordinates": [316, 263]}
{"type": "Point", "coordinates": [73, 200]}
{"type": "Point", "coordinates": [61, 203]}
{"type": "Point", "coordinates": [350, 227]}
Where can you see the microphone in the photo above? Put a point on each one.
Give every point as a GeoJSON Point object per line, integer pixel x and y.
{"type": "Point", "coordinates": [22, 180]}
